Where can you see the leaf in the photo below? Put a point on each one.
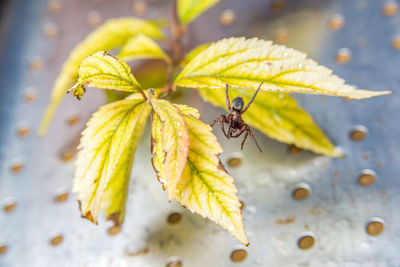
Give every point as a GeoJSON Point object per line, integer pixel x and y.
{"type": "Point", "coordinates": [205, 187]}
{"type": "Point", "coordinates": [170, 143]}
{"type": "Point", "coordinates": [105, 158]}
{"type": "Point", "coordinates": [113, 33]}
{"type": "Point", "coordinates": [193, 53]}
{"type": "Point", "coordinates": [140, 47]}
{"type": "Point", "coordinates": [244, 63]}
{"type": "Point", "coordinates": [104, 71]}
{"type": "Point", "coordinates": [188, 10]}
{"type": "Point", "coordinates": [278, 116]}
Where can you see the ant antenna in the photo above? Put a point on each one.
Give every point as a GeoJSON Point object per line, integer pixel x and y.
{"type": "Point", "coordinates": [252, 99]}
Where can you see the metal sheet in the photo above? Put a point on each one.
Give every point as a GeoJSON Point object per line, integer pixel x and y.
{"type": "Point", "coordinates": [335, 213]}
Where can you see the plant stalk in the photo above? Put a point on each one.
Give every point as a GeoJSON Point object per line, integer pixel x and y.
{"type": "Point", "coordinates": [177, 32]}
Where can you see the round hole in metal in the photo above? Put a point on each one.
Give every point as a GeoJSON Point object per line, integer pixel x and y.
{"type": "Point", "coordinates": [336, 22]}
{"type": "Point", "coordinates": [306, 241]}
{"type": "Point", "coordinates": [238, 255]}
{"type": "Point", "coordinates": [366, 177]}
{"type": "Point", "coordinates": [390, 8]}
{"type": "Point", "coordinates": [343, 56]}
{"type": "Point", "coordinates": [9, 205]}
{"type": "Point", "coordinates": [61, 195]}
{"type": "Point", "coordinates": [139, 7]}
{"type": "Point", "coordinates": [301, 191]}
{"type": "Point", "coordinates": [227, 17]}
{"type": "Point", "coordinates": [375, 226]}
{"type": "Point", "coordinates": [234, 160]}
{"type": "Point", "coordinates": [3, 248]}
{"type": "Point", "coordinates": [54, 6]}
{"type": "Point", "coordinates": [358, 133]}
{"type": "Point", "coordinates": [17, 167]}
{"type": "Point", "coordinates": [56, 240]}
{"type": "Point", "coordinates": [50, 30]}
{"type": "Point", "coordinates": [174, 218]}
{"type": "Point", "coordinates": [174, 262]}
{"type": "Point", "coordinates": [94, 18]}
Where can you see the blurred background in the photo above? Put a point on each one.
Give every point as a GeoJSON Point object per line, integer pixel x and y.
{"type": "Point", "coordinates": [300, 209]}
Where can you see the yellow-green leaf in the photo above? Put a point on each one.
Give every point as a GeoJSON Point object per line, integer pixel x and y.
{"type": "Point", "coordinates": [205, 187]}
{"type": "Point", "coordinates": [104, 71]}
{"type": "Point", "coordinates": [105, 158]}
{"type": "Point", "coordinates": [245, 63]}
{"type": "Point", "coordinates": [113, 33]}
{"type": "Point", "coordinates": [170, 144]}
{"type": "Point", "coordinates": [278, 116]}
{"type": "Point", "coordinates": [188, 10]}
{"type": "Point", "coordinates": [140, 47]}
{"type": "Point", "coordinates": [193, 53]}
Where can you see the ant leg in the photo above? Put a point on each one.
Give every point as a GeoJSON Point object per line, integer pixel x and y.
{"type": "Point", "coordinates": [244, 139]}
{"type": "Point", "coordinates": [241, 130]}
{"type": "Point", "coordinates": [254, 139]}
{"type": "Point", "coordinates": [247, 129]}
{"type": "Point", "coordinates": [252, 99]}
{"type": "Point", "coordinates": [214, 122]}
{"type": "Point", "coordinates": [228, 102]}
{"type": "Point", "coordinates": [230, 124]}
{"type": "Point", "coordinates": [223, 129]}
{"type": "Point", "coordinates": [221, 121]}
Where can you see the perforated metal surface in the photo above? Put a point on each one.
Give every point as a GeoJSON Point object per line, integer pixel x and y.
{"type": "Point", "coordinates": [40, 227]}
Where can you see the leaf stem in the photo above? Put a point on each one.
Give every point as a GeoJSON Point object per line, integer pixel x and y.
{"type": "Point", "coordinates": [177, 32]}
{"type": "Point", "coordinates": [143, 94]}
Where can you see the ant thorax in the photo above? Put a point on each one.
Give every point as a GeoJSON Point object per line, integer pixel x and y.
{"type": "Point", "coordinates": [236, 119]}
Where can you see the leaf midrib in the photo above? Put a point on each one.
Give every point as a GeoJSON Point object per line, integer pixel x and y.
{"type": "Point", "coordinates": [214, 193]}
{"type": "Point", "coordinates": [105, 157]}
{"type": "Point", "coordinates": [175, 135]}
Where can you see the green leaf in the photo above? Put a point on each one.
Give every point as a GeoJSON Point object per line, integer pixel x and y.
{"type": "Point", "coordinates": [188, 10]}
{"type": "Point", "coordinates": [278, 116]}
{"type": "Point", "coordinates": [140, 47]}
{"type": "Point", "coordinates": [193, 53]}
{"type": "Point", "coordinates": [245, 63]}
{"type": "Point", "coordinates": [170, 144]}
{"type": "Point", "coordinates": [113, 33]}
{"type": "Point", "coordinates": [205, 187]}
{"type": "Point", "coordinates": [104, 71]}
{"type": "Point", "coordinates": [105, 158]}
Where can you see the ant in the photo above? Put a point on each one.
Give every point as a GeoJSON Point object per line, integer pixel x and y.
{"type": "Point", "coordinates": [234, 119]}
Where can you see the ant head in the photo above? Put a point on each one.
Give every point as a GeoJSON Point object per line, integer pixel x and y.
{"type": "Point", "coordinates": [237, 103]}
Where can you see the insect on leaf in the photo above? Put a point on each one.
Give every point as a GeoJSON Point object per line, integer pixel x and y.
{"type": "Point", "coordinates": [105, 158]}
{"type": "Point", "coordinates": [140, 47]}
{"type": "Point", "coordinates": [104, 71]}
{"type": "Point", "coordinates": [170, 144]}
{"type": "Point", "coordinates": [278, 116]}
{"type": "Point", "coordinates": [245, 63]}
{"type": "Point", "coordinates": [113, 33]}
{"type": "Point", "coordinates": [188, 10]}
{"type": "Point", "coordinates": [205, 187]}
